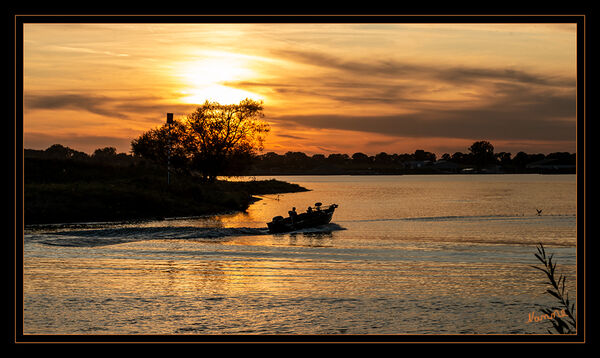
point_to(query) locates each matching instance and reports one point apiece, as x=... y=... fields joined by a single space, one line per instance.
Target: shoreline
x=69 y=191
x=57 y=204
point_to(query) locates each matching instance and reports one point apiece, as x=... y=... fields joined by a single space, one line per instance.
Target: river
x=414 y=254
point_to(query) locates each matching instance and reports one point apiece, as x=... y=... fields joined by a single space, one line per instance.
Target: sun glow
x=206 y=79
x=216 y=93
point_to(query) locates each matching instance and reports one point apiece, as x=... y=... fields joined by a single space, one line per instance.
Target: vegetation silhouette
x=66 y=185
x=480 y=158
x=568 y=325
x=62 y=185
x=214 y=140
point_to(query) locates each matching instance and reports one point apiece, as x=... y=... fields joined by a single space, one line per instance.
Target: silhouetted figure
x=309 y=210
x=293 y=214
x=539 y=212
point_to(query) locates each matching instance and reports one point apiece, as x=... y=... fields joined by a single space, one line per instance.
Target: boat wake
x=113 y=236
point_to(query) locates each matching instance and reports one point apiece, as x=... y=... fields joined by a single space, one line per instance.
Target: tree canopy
x=213 y=140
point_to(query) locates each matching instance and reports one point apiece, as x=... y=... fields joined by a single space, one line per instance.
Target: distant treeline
x=479 y=159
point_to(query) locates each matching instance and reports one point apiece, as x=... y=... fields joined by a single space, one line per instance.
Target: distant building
x=552 y=165
x=417 y=164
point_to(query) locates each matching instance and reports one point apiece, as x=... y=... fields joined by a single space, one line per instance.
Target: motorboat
x=314 y=216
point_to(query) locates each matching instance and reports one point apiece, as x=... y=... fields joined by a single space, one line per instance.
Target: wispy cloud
x=389 y=68
x=134 y=107
x=85 y=50
x=515 y=112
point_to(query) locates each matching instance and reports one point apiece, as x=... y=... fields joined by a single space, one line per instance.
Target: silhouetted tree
x=318 y=158
x=462 y=158
x=220 y=133
x=58 y=151
x=360 y=158
x=503 y=158
x=383 y=158
x=422 y=155
x=104 y=153
x=483 y=153
x=212 y=140
x=297 y=160
x=156 y=145
x=521 y=159
x=338 y=159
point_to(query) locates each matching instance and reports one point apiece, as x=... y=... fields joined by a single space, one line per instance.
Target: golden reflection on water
x=435 y=271
x=176 y=287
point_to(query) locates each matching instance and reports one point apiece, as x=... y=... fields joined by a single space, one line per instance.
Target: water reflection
x=309 y=239
x=404 y=255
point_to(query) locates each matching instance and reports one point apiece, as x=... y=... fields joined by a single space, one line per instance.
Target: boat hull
x=302 y=221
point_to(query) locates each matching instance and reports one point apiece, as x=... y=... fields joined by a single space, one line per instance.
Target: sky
x=326 y=88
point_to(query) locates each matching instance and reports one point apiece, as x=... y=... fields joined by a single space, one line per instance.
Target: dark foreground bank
x=67 y=191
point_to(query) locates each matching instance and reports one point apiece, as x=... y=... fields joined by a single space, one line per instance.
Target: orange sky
x=327 y=88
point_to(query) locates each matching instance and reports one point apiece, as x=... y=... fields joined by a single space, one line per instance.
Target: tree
x=105 y=153
x=58 y=151
x=503 y=158
x=422 y=155
x=337 y=158
x=383 y=158
x=483 y=153
x=213 y=140
x=163 y=142
x=318 y=158
x=360 y=158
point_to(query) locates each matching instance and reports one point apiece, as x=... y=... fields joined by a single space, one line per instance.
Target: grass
x=568 y=325
x=63 y=191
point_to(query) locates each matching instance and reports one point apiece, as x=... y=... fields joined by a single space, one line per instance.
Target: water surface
x=403 y=255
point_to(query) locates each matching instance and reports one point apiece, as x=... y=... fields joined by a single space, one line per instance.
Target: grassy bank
x=62 y=191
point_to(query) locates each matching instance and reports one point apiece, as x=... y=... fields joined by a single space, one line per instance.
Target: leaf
x=539 y=268
x=553 y=293
x=561 y=322
x=541 y=250
x=539 y=258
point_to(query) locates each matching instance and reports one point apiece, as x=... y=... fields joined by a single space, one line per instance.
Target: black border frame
x=580 y=17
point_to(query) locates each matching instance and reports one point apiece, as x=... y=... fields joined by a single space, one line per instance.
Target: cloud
x=134 y=108
x=443 y=101
x=290 y=136
x=392 y=68
x=90 y=103
x=397 y=86
x=456 y=125
x=85 y=50
x=517 y=112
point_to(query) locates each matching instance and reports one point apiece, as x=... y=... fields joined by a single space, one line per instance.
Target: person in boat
x=293 y=214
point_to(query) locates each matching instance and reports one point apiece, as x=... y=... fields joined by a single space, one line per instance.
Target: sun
x=216 y=93
x=208 y=78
